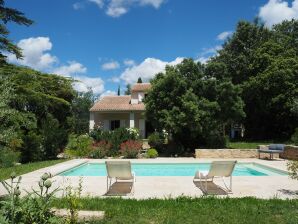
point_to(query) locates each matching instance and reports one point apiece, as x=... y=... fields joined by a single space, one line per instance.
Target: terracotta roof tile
x=117 y=103
x=140 y=87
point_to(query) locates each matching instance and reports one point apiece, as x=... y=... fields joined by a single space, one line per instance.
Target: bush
x=294 y=137
x=8 y=157
x=79 y=146
x=33 y=208
x=152 y=153
x=101 y=149
x=115 y=137
x=293 y=169
x=156 y=140
x=130 y=148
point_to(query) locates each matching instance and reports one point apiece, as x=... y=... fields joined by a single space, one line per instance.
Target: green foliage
x=156 y=140
x=209 y=210
x=80 y=105
x=294 y=137
x=26 y=168
x=264 y=63
x=32 y=115
x=79 y=145
x=293 y=169
x=72 y=198
x=191 y=106
x=130 y=149
x=15 y=16
x=8 y=157
x=33 y=208
x=128 y=89
x=152 y=153
x=101 y=149
x=115 y=137
x=139 y=80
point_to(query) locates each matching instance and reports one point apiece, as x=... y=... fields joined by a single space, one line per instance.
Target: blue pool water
x=172 y=169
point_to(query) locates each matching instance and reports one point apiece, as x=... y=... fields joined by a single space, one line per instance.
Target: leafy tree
x=128 y=89
x=139 y=80
x=39 y=110
x=118 y=92
x=10 y=15
x=81 y=104
x=264 y=63
x=180 y=101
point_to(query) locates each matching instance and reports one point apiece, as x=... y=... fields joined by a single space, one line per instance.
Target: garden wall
x=291 y=152
x=226 y=153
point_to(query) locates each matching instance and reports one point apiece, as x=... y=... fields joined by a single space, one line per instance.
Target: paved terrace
x=162 y=187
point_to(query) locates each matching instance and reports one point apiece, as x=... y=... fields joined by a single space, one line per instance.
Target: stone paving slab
x=163 y=187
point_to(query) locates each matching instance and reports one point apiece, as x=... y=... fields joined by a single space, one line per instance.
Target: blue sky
x=106 y=43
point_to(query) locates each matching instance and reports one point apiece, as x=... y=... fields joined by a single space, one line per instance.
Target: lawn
x=186 y=210
x=247 y=145
x=26 y=168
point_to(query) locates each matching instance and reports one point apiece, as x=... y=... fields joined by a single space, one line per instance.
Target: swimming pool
x=173 y=169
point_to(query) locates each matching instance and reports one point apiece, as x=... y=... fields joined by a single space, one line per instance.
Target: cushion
x=278 y=147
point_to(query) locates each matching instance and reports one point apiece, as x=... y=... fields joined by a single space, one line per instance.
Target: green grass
x=26 y=168
x=247 y=145
x=206 y=210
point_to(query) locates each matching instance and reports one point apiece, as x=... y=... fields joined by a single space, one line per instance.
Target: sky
x=109 y=43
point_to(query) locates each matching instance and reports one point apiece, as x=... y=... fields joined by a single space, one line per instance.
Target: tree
x=81 y=104
x=128 y=89
x=10 y=15
x=118 y=92
x=264 y=64
x=48 y=109
x=139 y=80
x=180 y=102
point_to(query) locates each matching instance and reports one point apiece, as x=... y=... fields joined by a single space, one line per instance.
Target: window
x=115 y=124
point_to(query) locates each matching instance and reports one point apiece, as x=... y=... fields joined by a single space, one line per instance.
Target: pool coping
x=170 y=160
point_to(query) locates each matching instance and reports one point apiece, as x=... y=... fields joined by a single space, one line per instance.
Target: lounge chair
x=271 y=149
x=120 y=170
x=218 y=169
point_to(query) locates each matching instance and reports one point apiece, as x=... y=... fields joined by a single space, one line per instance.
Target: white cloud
x=73 y=67
x=203 y=60
x=110 y=65
x=78 y=5
x=114 y=79
x=108 y=93
x=224 y=35
x=129 y=62
x=35 y=54
x=147 y=69
x=117 y=8
x=275 y=11
x=211 y=50
x=99 y=3
x=84 y=83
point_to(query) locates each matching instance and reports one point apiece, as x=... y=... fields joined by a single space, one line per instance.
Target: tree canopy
x=10 y=15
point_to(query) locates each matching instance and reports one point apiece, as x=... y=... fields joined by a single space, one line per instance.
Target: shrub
x=8 y=157
x=294 y=137
x=101 y=149
x=293 y=169
x=34 y=207
x=79 y=146
x=130 y=148
x=152 y=153
x=156 y=140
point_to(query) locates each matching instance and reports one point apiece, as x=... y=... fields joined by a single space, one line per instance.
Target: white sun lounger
x=218 y=169
x=120 y=170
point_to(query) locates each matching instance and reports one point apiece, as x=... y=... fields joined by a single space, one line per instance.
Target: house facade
x=113 y=112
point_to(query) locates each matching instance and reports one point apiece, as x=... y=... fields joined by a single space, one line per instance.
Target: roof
x=140 y=87
x=117 y=103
